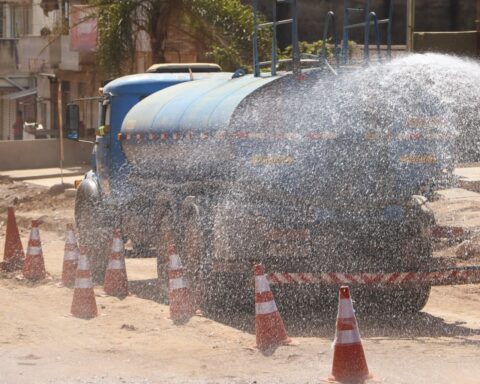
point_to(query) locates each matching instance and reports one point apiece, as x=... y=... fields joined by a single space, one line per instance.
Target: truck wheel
x=95 y=234
x=230 y=293
x=410 y=300
x=392 y=301
x=396 y=300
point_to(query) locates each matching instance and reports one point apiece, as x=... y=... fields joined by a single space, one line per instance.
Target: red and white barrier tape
x=453 y=276
x=440 y=231
x=287 y=136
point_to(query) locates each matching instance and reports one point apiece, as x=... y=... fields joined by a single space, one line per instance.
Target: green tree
x=222 y=27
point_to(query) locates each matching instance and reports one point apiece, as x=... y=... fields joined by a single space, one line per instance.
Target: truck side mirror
x=72 y=123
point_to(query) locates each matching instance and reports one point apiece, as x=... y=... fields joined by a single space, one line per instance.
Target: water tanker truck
x=244 y=170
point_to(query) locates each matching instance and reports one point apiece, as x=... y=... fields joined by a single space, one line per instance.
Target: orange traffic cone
x=269 y=328
x=34 y=266
x=70 y=257
x=180 y=297
x=13 y=256
x=116 y=282
x=349 y=363
x=83 y=303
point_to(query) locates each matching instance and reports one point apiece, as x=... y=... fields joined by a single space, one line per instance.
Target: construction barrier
x=34 y=266
x=70 y=257
x=116 y=281
x=180 y=298
x=448 y=276
x=269 y=328
x=13 y=255
x=84 y=304
x=349 y=362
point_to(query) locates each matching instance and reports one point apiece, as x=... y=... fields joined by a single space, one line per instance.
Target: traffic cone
x=84 y=305
x=269 y=328
x=349 y=363
x=116 y=282
x=34 y=266
x=180 y=297
x=70 y=257
x=13 y=256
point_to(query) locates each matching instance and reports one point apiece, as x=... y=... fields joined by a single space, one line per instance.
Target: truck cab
x=105 y=186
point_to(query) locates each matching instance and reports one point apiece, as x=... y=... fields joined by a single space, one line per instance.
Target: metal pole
x=410 y=24
x=477 y=22
x=295 y=45
x=273 y=69
x=60 y=127
x=389 y=30
x=345 y=32
x=366 y=32
x=256 y=67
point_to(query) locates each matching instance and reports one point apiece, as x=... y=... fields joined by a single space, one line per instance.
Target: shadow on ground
x=148 y=289
x=318 y=320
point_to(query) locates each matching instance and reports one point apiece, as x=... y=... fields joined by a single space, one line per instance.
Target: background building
x=47 y=46
x=45 y=49
x=37 y=61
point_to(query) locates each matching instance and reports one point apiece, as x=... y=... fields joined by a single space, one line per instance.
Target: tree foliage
x=222 y=28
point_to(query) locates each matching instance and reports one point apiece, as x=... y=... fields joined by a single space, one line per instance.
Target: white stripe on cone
x=34 y=251
x=83 y=282
x=115 y=264
x=175 y=262
x=34 y=234
x=117 y=245
x=177 y=283
x=70 y=238
x=265 y=308
x=70 y=255
x=83 y=264
x=346 y=309
x=261 y=284
x=347 y=337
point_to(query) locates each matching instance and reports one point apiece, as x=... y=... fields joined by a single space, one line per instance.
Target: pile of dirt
x=30 y=201
x=15 y=193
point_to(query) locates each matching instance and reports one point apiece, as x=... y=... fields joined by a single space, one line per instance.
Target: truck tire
x=214 y=292
x=398 y=300
x=409 y=300
x=391 y=301
x=230 y=293
x=412 y=300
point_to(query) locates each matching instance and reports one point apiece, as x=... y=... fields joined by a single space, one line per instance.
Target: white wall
x=42 y=154
x=70 y=59
x=39 y=20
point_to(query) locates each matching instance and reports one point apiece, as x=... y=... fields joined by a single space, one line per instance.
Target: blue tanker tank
x=256 y=132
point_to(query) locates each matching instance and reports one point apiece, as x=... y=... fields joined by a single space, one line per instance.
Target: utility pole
x=60 y=127
x=411 y=23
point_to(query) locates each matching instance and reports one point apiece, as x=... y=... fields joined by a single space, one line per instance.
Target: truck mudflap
x=448 y=276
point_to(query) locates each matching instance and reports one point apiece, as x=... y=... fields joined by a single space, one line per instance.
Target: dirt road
x=133 y=341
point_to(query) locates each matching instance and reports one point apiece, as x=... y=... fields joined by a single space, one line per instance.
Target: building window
x=22 y=20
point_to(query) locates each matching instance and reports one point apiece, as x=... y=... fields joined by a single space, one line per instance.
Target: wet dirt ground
x=134 y=341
